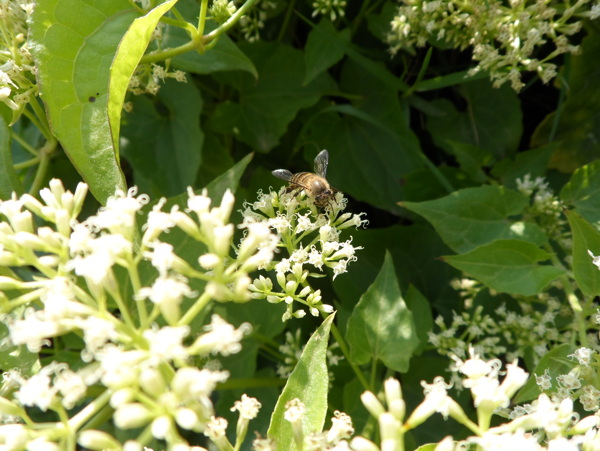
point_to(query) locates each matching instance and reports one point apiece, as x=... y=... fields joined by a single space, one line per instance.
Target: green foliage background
x=430 y=156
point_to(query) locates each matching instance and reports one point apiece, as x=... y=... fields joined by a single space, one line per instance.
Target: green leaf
x=73 y=43
x=131 y=49
x=414 y=248
x=471 y=158
x=381 y=326
x=471 y=217
x=164 y=140
x=224 y=56
x=492 y=119
x=423 y=318
x=9 y=181
x=325 y=46
x=585 y=237
x=576 y=131
x=556 y=362
x=508 y=266
x=266 y=108
x=308 y=382
x=583 y=191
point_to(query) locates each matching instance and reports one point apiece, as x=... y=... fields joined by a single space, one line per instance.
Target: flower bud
x=97 y=440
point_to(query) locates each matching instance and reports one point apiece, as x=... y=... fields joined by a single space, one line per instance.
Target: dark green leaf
x=583 y=191
x=165 y=147
x=472 y=159
x=381 y=327
x=423 y=318
x=325 y=46
x=9 y=181
x=491 y=120
x=471 y=217
x=266 y=107
x=585 y=237
x=367 y=159
x=308 y=382
x=73 y=57
x=576 y=132
x=508 y=266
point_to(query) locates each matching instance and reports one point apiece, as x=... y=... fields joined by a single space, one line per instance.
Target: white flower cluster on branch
x=310 y=241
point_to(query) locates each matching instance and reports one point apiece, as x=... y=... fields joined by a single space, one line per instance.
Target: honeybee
x=315 y=185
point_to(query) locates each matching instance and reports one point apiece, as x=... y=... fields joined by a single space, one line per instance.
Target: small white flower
x=220 y=337
x=247 y=407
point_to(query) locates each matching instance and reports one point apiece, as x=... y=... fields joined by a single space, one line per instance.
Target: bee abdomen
x=302 y=178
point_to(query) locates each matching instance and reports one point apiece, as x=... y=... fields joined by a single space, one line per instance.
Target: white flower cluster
x=504 y=36
x=142 y=370
x=545 y=209
x=331 y=8
x=310 y=238
x=506 y=332
x=254 y=21
x=544 y=425
x=17 y=71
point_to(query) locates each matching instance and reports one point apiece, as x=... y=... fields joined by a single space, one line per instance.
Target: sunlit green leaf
x=131 y=49
x=474 y=216
x=73 y=58
x=508 y=266
x=308 y=382
x=556 y=363
x=381 y=327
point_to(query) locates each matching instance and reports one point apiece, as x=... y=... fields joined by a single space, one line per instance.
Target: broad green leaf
x=577 y=130
x=414 y=248
x=583 y=192
x=556 y=362
x=471 y=217
x=9 y=181
x=265 y=108
x=508 y=266
x=164 y=140
x=131 y=49
x=585 y=237
x=491 y=120
x=73 y=43
x=308 y=382
x=381 y=327
x=325 y=46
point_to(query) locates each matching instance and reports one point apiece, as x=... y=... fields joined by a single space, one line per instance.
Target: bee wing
x=283 y=174
x=321 y=162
